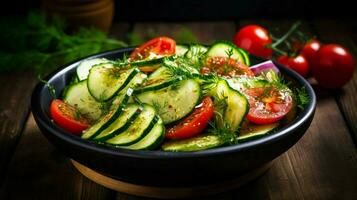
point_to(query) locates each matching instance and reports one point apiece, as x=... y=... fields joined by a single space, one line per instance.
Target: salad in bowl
x=172 y=97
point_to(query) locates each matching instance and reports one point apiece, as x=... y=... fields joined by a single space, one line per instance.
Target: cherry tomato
x=298 y=64
x=333 y=66
x=193 y=124
x=267 y=104
x=226 y=67
x=255 y=40
x=158 y=46
x=67 y=117
x=310 y=49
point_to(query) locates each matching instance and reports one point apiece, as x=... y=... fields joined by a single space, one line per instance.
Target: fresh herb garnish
x=224 y=133
x=301 y=97
x=49 y=86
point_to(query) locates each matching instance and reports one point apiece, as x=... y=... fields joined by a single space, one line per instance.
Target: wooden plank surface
x=42 y=172
x=15 y=90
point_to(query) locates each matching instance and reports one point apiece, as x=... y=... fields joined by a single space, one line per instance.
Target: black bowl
x=159 y=168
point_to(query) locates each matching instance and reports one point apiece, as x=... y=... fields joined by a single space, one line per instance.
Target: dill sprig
x=49 y=86
x=224 y=133
x=301 y=97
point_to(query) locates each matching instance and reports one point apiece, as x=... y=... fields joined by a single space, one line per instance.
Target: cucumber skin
x=227 y=43
x=176 y=119
x=116 y=113
x=193 y=144
x=123 y=128
x=126 y=82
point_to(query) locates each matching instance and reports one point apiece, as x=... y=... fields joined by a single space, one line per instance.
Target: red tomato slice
x=67 y=117
x=159 y=46
x=267 y=104
x=193 y=124
x=226 y=67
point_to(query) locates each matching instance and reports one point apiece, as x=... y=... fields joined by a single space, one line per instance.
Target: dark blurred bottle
x=87 y=13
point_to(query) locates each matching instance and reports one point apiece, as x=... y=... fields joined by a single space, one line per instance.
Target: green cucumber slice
x=78 y=96
x=107 y=119
x=129 y=114
x=105 y=80
x=195 y=52
x=234 y=108
x=152 y=140
x=175 y=101
x=84 y=67
x=255 y=131
x=197 y=143
x=160 y=78
x=181 y=49
x=222 y=48
x=137 y=130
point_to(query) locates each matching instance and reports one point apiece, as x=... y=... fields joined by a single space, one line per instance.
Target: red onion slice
x=264 y=66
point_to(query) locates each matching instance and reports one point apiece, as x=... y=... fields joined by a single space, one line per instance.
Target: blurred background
x=144 y=10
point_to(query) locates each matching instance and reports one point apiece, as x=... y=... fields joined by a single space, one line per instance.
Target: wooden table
x=322 y=165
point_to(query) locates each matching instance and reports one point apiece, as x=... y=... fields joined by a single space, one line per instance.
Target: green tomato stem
x=287 y=34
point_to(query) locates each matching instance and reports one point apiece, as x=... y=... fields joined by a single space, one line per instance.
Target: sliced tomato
x=67 y=117
x=267 y=104
x=193 y=124
x=226 y=67
x=158 y=46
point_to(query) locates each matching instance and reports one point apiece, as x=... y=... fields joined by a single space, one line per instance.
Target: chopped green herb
x=49 y=86
x=302 y=98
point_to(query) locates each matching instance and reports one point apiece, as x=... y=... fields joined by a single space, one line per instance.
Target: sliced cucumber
x=151 y=62
x=84 y=67
x=160 y=78
x=181 y=49
x=105 y=80
x=152 y=140
x=195 y=52
x=175 y=101
x=134 y=83
x=242 y=83
x=233 y=106
x=78 y=96
x=226 y=49
x=177 y=64
x=198 y=143
x=253 y=131
x=245 y=56
x=138 y=128
x=107 y=119
x=120 y=124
